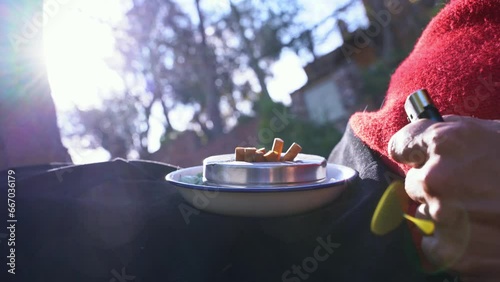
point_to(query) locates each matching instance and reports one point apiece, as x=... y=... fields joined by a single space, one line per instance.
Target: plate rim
x=327 y=183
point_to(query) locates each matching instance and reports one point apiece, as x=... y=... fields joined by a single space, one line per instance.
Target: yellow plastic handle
x=427 y=226
x=391 y=210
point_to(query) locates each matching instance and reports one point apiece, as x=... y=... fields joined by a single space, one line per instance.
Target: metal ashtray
x=224 y=170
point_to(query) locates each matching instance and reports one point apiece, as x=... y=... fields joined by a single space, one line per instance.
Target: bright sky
x=78 y=46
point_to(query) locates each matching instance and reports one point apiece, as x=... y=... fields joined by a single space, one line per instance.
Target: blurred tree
x=119 y=131
x=169 y=60
x=209 y=76
x=214 y=63
x=28 y=125
x=261 y=27
x=401 y=24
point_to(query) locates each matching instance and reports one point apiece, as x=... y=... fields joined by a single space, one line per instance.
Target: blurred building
x=334 y=83
x=334 y=88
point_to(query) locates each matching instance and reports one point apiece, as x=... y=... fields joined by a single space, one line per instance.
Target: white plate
x=262 y=201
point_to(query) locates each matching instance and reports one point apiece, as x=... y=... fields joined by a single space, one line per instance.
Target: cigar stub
x=262 y=150
x=239 y=154
x=259 y=156
x=250 y=154
x=278 y=146
x=272 y=156
x=292 y=152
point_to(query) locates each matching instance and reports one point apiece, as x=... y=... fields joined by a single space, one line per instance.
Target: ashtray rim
x=224 y=170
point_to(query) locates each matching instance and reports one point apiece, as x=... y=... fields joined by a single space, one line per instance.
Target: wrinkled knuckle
x=432 y=180
x=416 y=156
x=440 y=137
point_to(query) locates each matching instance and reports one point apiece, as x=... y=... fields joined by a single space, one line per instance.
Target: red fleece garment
x=457 y=59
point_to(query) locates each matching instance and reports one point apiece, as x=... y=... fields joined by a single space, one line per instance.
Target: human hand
x=455 y=176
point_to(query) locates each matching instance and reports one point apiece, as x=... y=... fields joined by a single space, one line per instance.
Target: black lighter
x=419 y=105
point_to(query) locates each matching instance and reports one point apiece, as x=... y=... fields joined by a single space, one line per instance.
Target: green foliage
x=377 y=77
x=314 y=139
x=439 y=5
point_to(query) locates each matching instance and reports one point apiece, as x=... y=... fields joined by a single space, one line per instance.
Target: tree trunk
x=373 y=7
x=212 y=93
x=254 y=62
x=28 y=124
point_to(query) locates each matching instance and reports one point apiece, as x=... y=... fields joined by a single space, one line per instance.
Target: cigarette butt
x=292 y=152
x=250 y=154
x=239 y=154
x=272 y=156
x=259 y=156
x=262 y=150
x=278 y=146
